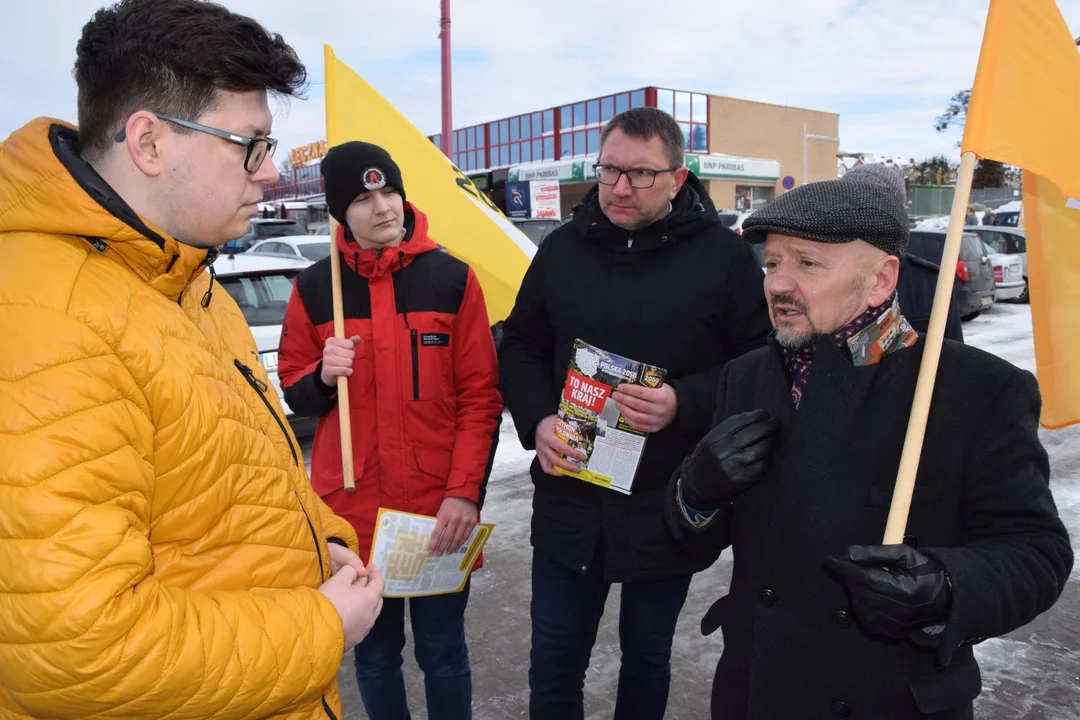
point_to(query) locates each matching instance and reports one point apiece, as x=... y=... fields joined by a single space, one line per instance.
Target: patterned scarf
x=876 y=333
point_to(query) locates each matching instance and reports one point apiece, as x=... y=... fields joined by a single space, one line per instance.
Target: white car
x=261 y=285
x=1009 y=241
x=1009 y=280
x=311 y=248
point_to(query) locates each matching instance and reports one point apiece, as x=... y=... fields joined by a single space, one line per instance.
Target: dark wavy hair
x=172 y=57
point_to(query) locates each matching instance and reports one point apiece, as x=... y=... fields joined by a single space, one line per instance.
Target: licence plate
x=268 y=360
x=987 y=301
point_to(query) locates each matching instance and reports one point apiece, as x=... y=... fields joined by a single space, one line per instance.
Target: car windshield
x=315 y=251
x=262 y=297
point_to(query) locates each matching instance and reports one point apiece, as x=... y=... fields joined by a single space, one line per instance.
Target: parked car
x=1008 y=274
x=1009 y=241
x=261 y=228
x=733 y=219
x=322 y=228
x=975 y=287
x=312 y=248
x=535 y=228
x=1009 y=218
x=261 y=286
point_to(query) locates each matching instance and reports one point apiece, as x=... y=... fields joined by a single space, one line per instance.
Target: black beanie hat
x=355 y=167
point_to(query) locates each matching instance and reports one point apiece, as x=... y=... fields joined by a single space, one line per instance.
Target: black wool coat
x=685 y=294
x=982 y=506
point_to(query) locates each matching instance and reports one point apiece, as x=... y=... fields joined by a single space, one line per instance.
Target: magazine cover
x=590 y=421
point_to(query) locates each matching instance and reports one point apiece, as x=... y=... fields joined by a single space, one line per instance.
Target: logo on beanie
x=374 y=179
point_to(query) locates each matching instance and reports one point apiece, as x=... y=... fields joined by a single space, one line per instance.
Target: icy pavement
x=1032 y=673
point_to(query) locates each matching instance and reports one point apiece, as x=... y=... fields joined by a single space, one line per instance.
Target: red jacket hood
x=371 y=262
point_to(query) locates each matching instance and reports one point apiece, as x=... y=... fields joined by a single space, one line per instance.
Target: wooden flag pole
x=344 y=421
x=935 y=336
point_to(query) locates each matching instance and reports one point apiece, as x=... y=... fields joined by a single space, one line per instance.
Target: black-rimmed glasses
x=258 y=149
x=639 y=178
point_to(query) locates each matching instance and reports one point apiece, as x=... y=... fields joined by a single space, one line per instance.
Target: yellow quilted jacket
x=160 y=543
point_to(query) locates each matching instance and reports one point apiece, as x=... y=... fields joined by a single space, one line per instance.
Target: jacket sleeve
x=337 y=528
x=715 y=535
x=300 y=362
x=746 y=327
x=527 y=354
x=1016 y=554
x=85 y=628
x=476 y=380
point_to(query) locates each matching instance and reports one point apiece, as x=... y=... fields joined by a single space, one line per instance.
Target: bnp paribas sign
x=572 y=171
x=726 y=166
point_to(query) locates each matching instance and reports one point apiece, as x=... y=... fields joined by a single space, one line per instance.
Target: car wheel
x=972 y=316
x=1023 y=297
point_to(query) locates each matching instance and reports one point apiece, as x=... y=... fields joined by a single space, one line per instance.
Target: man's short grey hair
x=645 y=123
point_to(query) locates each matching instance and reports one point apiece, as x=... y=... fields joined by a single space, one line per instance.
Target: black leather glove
x=732 y=457
x=895 y=589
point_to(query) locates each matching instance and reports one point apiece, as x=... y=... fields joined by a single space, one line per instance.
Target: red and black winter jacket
x=423 y=395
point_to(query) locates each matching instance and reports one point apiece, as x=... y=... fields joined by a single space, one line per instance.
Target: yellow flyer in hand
x=400 y=552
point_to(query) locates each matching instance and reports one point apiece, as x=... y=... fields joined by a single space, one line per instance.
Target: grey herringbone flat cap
x=869 y=203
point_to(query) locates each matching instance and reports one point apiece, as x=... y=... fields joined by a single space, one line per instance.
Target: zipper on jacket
x=314 y=535
x=260 y=387
x=415 y=364
x=326 y=707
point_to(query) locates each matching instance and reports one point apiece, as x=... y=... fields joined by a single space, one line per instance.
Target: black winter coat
x=686 y=294
x=982 y=506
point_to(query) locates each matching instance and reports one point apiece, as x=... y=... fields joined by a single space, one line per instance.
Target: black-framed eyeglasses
x=258 y=149
x=639 y=178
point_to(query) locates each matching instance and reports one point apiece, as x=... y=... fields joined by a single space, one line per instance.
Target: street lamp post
x=447 y=143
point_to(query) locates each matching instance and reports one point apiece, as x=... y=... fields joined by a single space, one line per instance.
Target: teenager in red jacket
x=423 y=400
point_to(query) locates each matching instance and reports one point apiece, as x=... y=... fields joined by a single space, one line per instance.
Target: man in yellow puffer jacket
x=162 y=553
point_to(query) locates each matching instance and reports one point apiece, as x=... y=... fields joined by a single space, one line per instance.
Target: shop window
x=752 y=197
x=566 y=117
x=700 y=141
x=526 y=152
x=594 y=141
x=549 y=121
x=493 y=131
x=592 y=112
x=504 y=130
x=536 y=126
x=549 y=148
x=682 y=106
x=566 y=141
x=437 y=141
x=537 y=149
x=607 y=109
x=515 y=154
x=514 y=130
x=637 y=99
x=665 y=100
x=579 y=142
x=622 y=103
x=579 y=114
x=700 y=112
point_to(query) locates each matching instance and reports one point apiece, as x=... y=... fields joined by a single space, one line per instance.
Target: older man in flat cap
x=798 y=471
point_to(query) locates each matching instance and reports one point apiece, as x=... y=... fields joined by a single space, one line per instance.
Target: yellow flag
x=1053 y=253
x=1025 y=111
x=462 y=219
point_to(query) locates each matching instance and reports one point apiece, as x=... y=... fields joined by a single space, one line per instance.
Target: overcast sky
x=887 y=67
